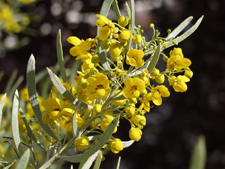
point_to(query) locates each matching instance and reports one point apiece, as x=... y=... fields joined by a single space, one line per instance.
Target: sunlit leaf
x=23 y=162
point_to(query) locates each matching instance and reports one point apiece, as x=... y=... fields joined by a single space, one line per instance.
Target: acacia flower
x=124 y=35
x=98 y=86
x=135 y=133
x=177 y=61
x=179 y=83
x=106 y=121
x=158 y=92
x=116 y=146
x=134 y=58
x=82 y=143
x=145 y=104
x=54 y=107
x=133 y=87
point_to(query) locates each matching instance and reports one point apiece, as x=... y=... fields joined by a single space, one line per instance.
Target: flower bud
x=116 y=146
x=82 y=143
x=188 y=73
x=95 y=59
x=135 y=134
x=151 y=25
x=123 y=21
x=97 y=108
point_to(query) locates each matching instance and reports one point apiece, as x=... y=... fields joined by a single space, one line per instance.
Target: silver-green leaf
x=2 y=102
x=23 y=162
x=104 y=138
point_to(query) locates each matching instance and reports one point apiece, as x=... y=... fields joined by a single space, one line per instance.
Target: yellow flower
x=123 y=21
x=97 y=108
x=130 y=109
x=137 y=39
x=188 y=73
x=54 y=107
x=133 y=87
x=139 y=120
x=124 y=35
x=179 y=83
x=82 y=143
x=145 y=104
x=46 y=119
x=26 y=1
x=106 y=27
x=98 y=86
x=24 y=94
x=177 y=61
x=158 y=92
x=105 y=122
x=135 y=133
x=116 y=146
x=115 y=50
x=79 y=121
x=134 y=58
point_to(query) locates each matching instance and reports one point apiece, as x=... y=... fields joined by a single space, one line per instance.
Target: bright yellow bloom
x=145 y=104
x=46 y=119
x=188 y=73
x=116 y=146
x=139 y=120
x=130 y=109
x=82 y=143
x=134 y=58
x=137 y=39
x=124 y=35
x=79 y=121
x=115 y=50
x=98 y=86
x=158 y=92
x=106 y=121
x=97 y=108
x=133 y=87
x=54 y=107
x=123 y=21
x=135 y=133
x=177 y=61
x=24 y=94
x=179 y=83
x=106 y=27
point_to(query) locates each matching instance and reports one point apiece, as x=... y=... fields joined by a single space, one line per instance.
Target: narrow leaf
x=155 y=59
x=34 y=98
x=104 y=138
x=98 y=161
x=60 y=57
x=62 y=90
x=10 y=165
x=90 y=160
x=15 y=124
x=74 y=125
x=30 y=132
x=105 y=7
x=2 y=102
x=23 y=162
x=127 y=143
x=116 y=9
x=198 y=157
x=178 y=29
x=187 y=33
x=118 y=163
x=11 y=80
x=132 y=6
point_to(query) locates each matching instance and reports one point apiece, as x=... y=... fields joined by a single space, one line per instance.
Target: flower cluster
x=12 y=20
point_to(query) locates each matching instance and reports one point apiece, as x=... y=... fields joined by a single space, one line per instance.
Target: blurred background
x=172 y=128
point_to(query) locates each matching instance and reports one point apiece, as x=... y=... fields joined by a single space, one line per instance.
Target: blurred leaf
x=128 y=10
x=105 y=7
x=180 y=27
x=104 y=138
x=116 y=9
x=15 y=124
x=10 y=165
x=23 y=162
x=11 y=80
x=1 y=75
x=31 y=85
x=198 y=156
x=118 y=163
x=2 y=102
x=60 y=57
x=30 y=132
x=154 y=59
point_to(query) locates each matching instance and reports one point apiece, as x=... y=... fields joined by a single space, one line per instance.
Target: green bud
x=95 y=59
x=151 y=25
x=168 y=31
x=3 y=156
x=175 y=42
x=139 y=26
x=165 y=58
x=142 y=31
